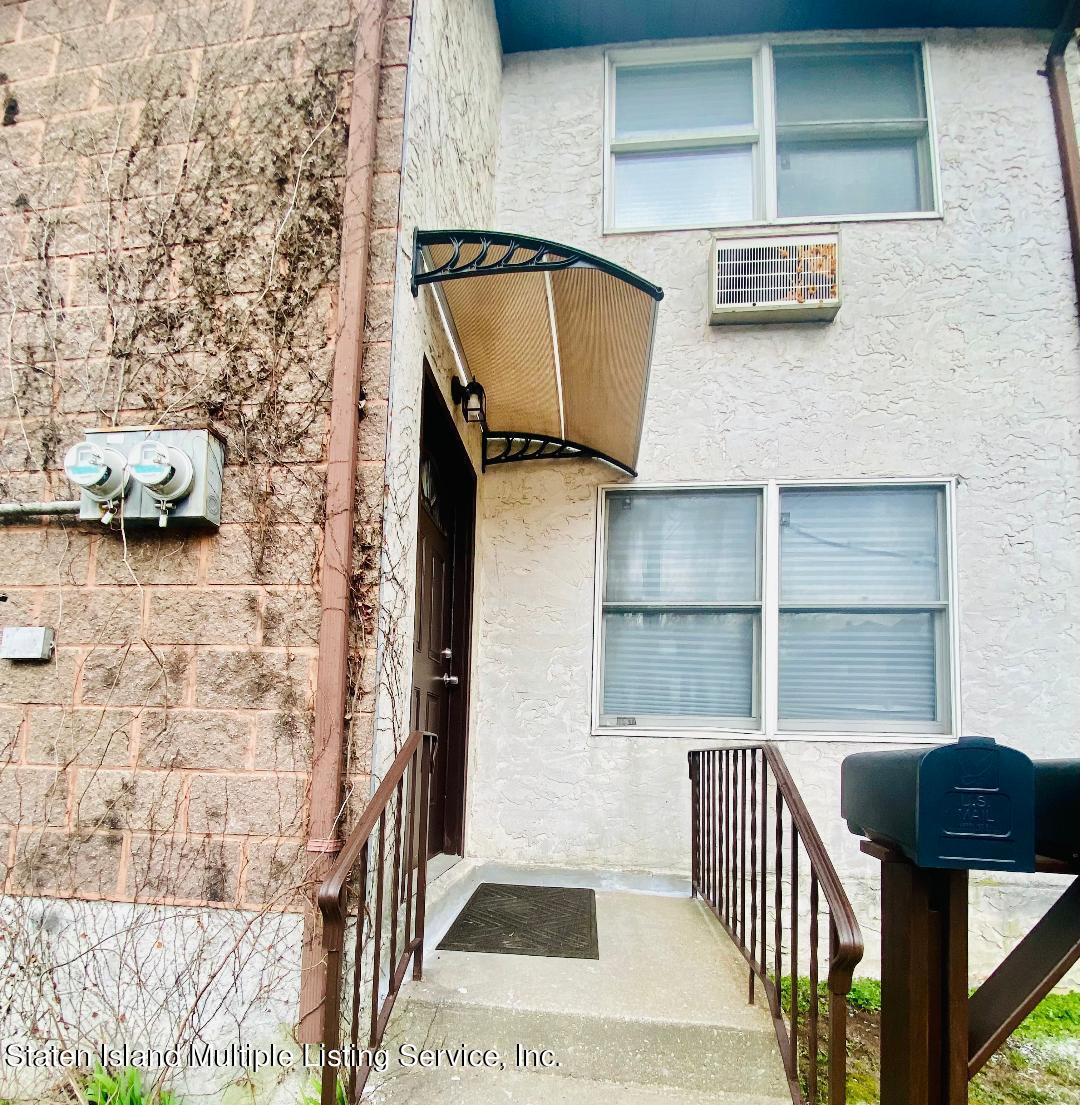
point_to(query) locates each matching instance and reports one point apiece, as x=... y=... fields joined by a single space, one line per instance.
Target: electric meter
x=164 y=470
x=100 y=471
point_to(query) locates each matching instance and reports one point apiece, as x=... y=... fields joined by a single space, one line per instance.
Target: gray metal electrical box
x=196 y=503
x=26 y=642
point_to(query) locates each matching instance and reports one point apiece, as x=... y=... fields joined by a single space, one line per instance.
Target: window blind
x=683 y=143
x=671 y=187
x=855 y=566
x=663 y=665
x=851 y=131
x=858 y=666
x=860 y=545
x=703 y=96
x=681 y=606
x=849 y=123
x=860 y=609
x=687 y=546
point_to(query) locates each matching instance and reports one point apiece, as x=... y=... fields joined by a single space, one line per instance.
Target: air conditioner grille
x=788 y=271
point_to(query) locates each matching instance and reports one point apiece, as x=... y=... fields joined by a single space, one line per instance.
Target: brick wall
x=169 y=216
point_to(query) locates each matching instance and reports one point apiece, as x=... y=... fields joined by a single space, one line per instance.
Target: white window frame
x=762 y=135
x=767 y=666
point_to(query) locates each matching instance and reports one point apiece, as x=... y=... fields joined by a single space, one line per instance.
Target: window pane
x=678 y=665
x=845 y=86
x=676 y=188
x=858 y=667
x=687 y=546
x=856 y=545
x=658 y=99
x=849 y=177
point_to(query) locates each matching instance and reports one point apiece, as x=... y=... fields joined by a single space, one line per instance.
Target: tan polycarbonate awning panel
x=560 y=340
x=502 y=323
x=605 y=333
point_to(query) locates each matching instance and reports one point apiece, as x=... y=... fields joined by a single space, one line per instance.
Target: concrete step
x=661 y=958
x=516 y=1088
x=637 y=1052
x=661 y=1016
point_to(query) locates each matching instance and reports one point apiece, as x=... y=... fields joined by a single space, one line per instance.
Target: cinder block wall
x=170 y=204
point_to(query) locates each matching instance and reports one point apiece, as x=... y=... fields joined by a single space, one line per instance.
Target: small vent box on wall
x=774 y=279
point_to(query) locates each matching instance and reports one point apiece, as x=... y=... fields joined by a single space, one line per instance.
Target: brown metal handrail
x=733 y=789
x=398 y=807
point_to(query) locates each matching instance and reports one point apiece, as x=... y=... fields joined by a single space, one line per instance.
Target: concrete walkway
x=660 y=1019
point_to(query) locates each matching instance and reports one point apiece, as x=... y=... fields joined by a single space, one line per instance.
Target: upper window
x=780 y=133
x=848 y=630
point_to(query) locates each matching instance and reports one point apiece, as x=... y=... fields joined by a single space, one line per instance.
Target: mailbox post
x=930 y=816
x=924 y=982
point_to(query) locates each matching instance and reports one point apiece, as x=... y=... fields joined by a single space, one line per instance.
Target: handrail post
x=695 y=834
x=427 y=760
x=838 y=1014
x=333 y=938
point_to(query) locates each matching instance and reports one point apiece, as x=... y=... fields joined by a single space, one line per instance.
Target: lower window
x=782 y=608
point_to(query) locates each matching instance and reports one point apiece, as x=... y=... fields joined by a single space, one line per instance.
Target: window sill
x=775 y=226
x=755 y=736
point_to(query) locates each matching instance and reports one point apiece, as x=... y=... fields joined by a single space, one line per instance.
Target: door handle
x=447 y=653
x=448 y=680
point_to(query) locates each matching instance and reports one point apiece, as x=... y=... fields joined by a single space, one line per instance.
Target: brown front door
x=440 y=630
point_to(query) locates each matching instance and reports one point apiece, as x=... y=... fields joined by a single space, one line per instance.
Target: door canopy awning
x=559 y=340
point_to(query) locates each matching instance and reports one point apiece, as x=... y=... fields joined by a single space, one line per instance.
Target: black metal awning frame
x=495 y=255
x=507 y=446
x=546 y=256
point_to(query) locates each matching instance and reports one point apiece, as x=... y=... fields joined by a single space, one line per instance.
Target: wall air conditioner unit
x=774 y=279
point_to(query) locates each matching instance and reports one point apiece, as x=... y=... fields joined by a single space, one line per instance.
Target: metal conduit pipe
x=1065 y=127
x=15 y=511
x=331 y=691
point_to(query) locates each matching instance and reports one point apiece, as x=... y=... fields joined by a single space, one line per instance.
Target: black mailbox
x=969 y=805
x=1057 y=809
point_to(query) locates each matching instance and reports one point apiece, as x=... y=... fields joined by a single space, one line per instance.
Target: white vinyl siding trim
x=944 y=610
x=763 y=137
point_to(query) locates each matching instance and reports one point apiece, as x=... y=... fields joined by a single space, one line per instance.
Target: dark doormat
x=557 y=921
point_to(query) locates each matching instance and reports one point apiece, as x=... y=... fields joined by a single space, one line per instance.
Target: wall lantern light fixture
x=470 y=397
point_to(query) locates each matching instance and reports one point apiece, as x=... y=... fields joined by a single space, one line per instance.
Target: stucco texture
x=447 y=180
x=954 y=354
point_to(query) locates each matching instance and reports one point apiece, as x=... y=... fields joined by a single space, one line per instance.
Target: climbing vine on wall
x=208 y=242
x=169 y=255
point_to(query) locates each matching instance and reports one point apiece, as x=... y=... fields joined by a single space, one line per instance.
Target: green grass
x=1028 y=1070
x=865 y=995
x=862 y=1085
x=125 y=1088
x=312 y=1094
x=1056 y=1017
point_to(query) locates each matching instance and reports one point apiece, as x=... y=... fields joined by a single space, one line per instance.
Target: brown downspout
x=1065 y=125
x=341 y=468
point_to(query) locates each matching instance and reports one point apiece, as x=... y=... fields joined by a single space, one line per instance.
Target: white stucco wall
x=955 y=354
x=447 y=180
